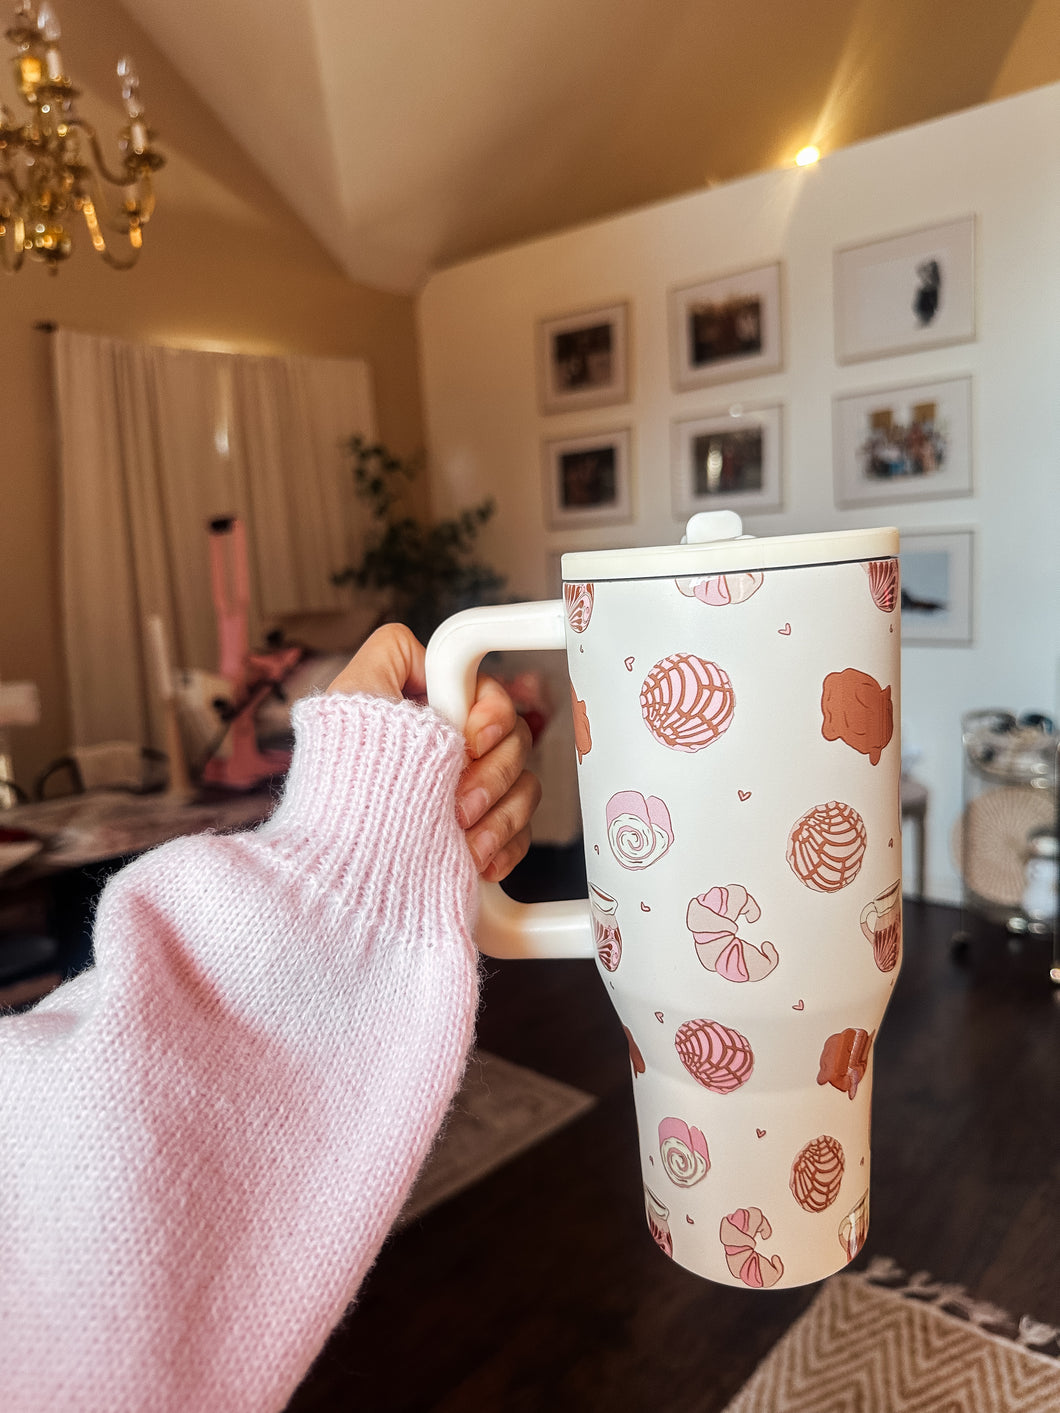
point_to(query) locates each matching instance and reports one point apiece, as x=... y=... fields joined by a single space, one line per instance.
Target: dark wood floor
x=540 y=1289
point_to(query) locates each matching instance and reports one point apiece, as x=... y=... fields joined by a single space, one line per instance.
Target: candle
x=159 y=654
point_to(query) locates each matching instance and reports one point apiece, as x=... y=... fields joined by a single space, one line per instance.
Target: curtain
x=154 y=443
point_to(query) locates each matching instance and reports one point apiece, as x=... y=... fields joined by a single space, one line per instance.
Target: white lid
x=714 y=544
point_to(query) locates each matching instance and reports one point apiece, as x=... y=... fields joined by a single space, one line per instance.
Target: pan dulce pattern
x=730 y=934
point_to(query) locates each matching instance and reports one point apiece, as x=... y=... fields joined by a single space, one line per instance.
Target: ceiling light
x=807 y=157
x=46 y=173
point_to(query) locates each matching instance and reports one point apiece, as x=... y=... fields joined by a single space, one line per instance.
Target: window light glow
x=807 y=157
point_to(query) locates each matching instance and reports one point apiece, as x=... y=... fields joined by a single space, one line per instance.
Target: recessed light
x=807 y=157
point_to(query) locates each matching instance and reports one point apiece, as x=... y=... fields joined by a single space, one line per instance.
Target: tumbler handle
x=505 y=928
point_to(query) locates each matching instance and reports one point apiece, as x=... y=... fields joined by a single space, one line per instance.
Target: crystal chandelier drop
x=52 y=166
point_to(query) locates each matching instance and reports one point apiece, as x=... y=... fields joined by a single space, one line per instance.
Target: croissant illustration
x=740 y=1233
x=712 y=919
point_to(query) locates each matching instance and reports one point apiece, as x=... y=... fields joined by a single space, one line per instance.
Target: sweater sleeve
x=205 y=1138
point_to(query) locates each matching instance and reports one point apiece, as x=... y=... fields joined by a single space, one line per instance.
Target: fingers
x=390 y=664
x=492 y=717
x=501 y=836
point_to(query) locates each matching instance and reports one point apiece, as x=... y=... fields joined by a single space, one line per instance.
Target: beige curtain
x=157 y=441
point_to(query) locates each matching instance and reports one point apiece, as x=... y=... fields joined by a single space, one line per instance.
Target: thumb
x=390 y=664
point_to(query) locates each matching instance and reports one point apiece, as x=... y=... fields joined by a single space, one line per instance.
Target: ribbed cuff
x=368 y=811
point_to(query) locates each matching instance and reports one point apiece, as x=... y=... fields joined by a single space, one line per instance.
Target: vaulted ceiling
x=410 y=134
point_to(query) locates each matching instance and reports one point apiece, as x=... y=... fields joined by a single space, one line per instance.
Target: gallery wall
x=997 y=163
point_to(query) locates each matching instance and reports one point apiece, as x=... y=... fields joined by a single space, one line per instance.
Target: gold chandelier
x=52 y=166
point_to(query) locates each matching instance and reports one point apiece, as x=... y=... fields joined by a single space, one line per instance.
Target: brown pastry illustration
x=827 y=845
x=578 y=601
x=658 y=1222
x=636 y=1059
x=883 y=583
x=717 y=1057
x=687 y=702
x=881 y=922
x=583 y=740
x=603 y=911
x=844 y=1060
x=816 y=1173
x=857 y=710
x=854 y=1228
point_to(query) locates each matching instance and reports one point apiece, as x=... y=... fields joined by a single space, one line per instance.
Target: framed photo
x=725 y=328
x=587 y=480
x=906 y=293
x=910 y=443
x=936 y=567
x=583 y=360
x=726 y=461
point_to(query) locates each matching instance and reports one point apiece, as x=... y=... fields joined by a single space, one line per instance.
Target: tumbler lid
x=714 y=543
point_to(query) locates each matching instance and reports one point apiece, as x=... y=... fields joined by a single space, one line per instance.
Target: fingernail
x=471 y=806
x=483 y=847
x=487 y=738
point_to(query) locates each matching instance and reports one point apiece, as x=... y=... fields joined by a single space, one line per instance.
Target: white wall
x=1001 y=162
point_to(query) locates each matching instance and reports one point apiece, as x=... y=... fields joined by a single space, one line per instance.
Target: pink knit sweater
x=205 y=1139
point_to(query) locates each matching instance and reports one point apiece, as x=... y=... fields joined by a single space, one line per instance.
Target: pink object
x=638 y=829
x=719 y=590
x=715 y=1055
x=712 y=919
x=578 y=602
x=687 y=702
x=207 y=1136
x=684 y=1153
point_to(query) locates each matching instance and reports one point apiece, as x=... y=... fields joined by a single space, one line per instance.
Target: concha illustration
x=603 y=911
x=687 y=702
x=578 y=601
x=826 y=846
x=716 y=1056
x=718 y=590
x=684 y=1153
x=639 y=830
x=883 y=583
x=817 y=1173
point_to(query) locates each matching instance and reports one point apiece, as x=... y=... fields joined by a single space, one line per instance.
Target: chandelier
x=52 y=167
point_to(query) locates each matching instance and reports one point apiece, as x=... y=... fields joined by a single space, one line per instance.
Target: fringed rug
x=501 y=1110
x=882 y=1342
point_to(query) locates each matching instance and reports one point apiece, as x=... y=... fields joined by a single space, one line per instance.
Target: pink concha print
x=687 y=702
x=817 y=1172
x=578 y=602
x=826 y=846
x=883 y=583
x=716 y=1056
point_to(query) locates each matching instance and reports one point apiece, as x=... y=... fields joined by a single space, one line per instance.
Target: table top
x=76 y=830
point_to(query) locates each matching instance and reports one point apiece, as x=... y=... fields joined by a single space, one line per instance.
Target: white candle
x=159 y=654
x=53 y=63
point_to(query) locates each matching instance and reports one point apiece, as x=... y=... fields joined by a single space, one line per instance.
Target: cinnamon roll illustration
x=883 y=583
x=740 y=1232
x=687 y=702
x=603 y=911
x=716 y=1056
x=713 y=918
x=844 y=1060
x=718 y=590
x=658 y=1222
x=826 y=846
x=583 y=740
x=684 y=1153
x=578 y=602
x=854 y=1228
x=638 y=829
x=858 y=711
x=817 y=1173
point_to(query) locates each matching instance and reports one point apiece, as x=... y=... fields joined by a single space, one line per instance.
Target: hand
x=496 y=795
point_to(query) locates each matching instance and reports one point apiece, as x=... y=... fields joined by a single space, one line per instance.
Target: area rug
x=501 y=1110
x=882 y=1342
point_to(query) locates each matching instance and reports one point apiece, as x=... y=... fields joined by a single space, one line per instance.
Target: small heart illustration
x=862 y=1164
x=761 y=1132
x=629 y=664
x=892 y=627
x=689 y=1220
x=644 y=908
x=596 y=847
x=785 y=631
x=890 y=843
x=581 y=648
x=744 y=794
x=798 y=1006
x=651 y=1160
x=659 y=1017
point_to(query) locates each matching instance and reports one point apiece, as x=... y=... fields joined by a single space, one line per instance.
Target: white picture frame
x=907 y=443
x=588 y=480
x=937 y=577
x=725 y=328
x=583 y=359
x=905 y=293
x=727 y=460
